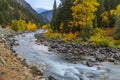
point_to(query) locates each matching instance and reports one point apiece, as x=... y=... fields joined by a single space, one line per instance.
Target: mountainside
x=18 y=9
x=40 y=10
x=47 y=15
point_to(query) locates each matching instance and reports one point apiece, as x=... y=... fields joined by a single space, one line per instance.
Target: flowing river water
x=59 y=68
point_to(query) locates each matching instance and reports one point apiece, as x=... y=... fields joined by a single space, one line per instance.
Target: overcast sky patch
x=45 y=4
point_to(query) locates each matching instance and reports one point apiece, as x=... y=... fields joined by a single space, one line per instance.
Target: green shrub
x=103 y=43
x=99 y=39
x=117 y=43
x=86 y=32
x=116 y=34
x=117 y=23
x=3 y=26
x=14 y=25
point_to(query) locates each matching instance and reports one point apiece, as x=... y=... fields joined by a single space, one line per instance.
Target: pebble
x=90 y=63
x=3 y=61
x=99 y=66
x=100 y=57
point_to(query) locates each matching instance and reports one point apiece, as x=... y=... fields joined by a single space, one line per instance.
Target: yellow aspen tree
x=34 y=27
x=31 y=26
x=21 y=25
x=117 y=12
x=83 y=12
x=107 y=17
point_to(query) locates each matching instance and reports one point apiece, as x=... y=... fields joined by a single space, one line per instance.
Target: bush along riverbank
x=12 y=65
x=77 y=51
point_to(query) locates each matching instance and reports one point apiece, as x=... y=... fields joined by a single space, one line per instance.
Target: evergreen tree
x=54 y=15
x=106 y=5
x=63 y=16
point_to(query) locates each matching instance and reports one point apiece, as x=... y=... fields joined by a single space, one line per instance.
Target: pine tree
x=106 y=5
x=63 y=16
x=54 y=15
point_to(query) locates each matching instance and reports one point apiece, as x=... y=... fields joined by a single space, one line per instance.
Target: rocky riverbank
x=76 y=51
x=12 y=65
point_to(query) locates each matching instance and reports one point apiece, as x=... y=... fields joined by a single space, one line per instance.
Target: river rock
x=90 y=63
x=85 y=49
x=100 y=57
x=111 y=59
x=117 y=56
x=50 y=49
x=18 y=56
x=51 y=78
x=35 y=71
x=24 y=62
x=99 y=66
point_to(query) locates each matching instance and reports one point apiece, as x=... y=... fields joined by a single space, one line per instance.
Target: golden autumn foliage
x=83 y=12
x=109 y=32
x=51 y=35
x=106 y=15
x=18 y=25
x=69 y=36
x=31 y=26
x=61 y=26
x=46 y=26
x=98 y=38
x=62 y=36
x=80 y=28
x=117 y=12
x=21 y=25
x=101 y=38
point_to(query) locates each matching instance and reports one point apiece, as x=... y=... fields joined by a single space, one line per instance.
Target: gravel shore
x=12 y=65
x=76 y=50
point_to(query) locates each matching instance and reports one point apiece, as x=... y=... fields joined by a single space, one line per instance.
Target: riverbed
x=54 y=65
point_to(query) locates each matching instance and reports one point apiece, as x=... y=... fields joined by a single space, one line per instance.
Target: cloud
x=46 y=4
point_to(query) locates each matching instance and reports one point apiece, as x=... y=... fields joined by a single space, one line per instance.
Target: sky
x=45 y=4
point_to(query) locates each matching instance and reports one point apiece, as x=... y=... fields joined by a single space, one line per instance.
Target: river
x=56 y=66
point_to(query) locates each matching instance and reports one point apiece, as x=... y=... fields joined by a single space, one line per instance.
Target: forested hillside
x=17 y=9
x=94 y=21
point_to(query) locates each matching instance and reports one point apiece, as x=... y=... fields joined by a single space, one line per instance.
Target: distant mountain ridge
x=47 y=15
x=18 y=9
x=26 y=5
x=40 y=10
